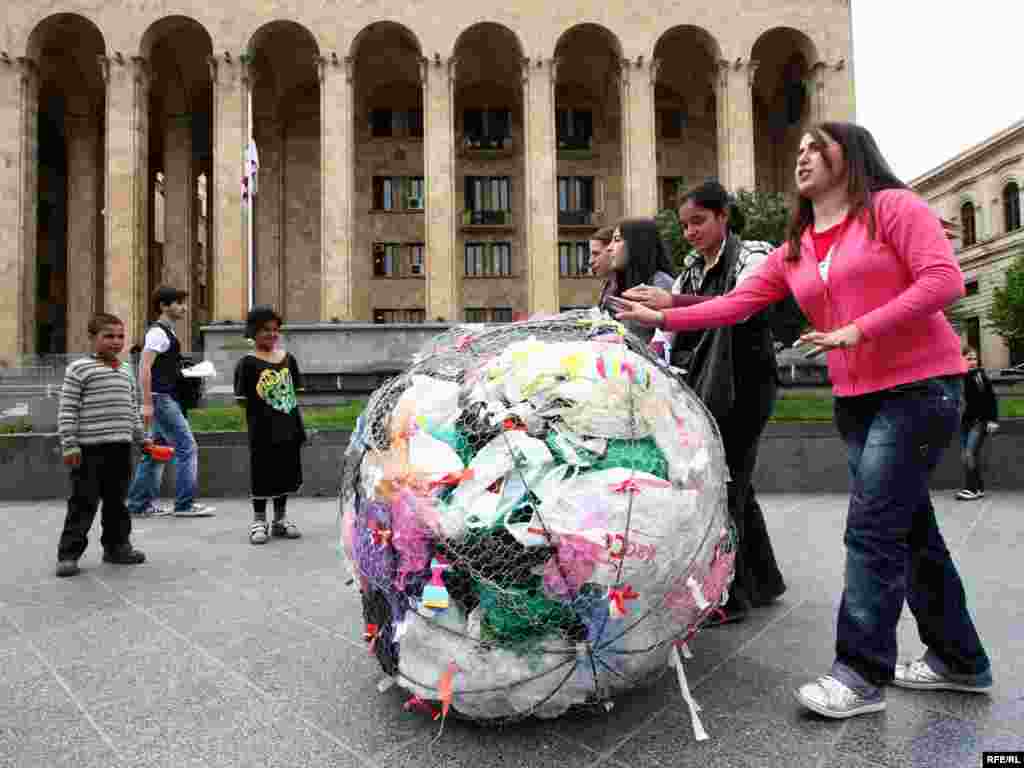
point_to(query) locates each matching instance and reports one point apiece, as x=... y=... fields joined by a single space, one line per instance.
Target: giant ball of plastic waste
x=534 y=513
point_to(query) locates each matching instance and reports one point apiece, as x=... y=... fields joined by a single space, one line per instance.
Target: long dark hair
x=868 y=173
x=645 y=254
x=714 y=197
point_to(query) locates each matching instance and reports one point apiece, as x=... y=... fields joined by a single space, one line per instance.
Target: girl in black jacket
x=980 y=418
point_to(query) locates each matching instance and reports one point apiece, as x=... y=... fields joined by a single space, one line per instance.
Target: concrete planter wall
x=793 y=458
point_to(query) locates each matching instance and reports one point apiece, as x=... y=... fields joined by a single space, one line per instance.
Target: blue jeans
x=972 y=440
x=894 y=550
x=170 y=428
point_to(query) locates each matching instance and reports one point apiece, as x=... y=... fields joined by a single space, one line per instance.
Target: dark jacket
x=723 y=364
x=979 y=398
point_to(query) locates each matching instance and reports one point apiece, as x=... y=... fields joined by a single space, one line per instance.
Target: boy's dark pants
x=103 y=475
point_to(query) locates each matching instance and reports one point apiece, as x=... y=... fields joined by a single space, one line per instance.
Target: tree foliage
x=1006 y=315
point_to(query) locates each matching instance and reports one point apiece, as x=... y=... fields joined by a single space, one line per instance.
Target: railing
x=487 y=218
x=578 y=218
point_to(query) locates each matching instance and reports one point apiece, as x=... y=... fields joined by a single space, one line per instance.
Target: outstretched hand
x=824 y=341
x=634 y=312
x=649 y=296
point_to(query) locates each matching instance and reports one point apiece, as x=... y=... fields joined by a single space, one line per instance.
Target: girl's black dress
x=276 y=432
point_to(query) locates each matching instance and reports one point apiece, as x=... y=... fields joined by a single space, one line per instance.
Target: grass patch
x=17 y=426
x=231 y=418
x=809 y=405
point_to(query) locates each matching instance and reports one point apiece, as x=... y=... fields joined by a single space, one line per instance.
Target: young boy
x=98 y=421
x=161 y=412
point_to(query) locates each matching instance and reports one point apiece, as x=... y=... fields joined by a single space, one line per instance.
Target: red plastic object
x=161 y=453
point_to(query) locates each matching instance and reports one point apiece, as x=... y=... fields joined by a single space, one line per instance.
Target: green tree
x=1006 y=315
x=766 y=215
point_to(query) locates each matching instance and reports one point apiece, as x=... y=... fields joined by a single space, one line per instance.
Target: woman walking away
x=267 y=379
x=980 y=419
x=638 y=257
x=732 y=370
x=872 y=270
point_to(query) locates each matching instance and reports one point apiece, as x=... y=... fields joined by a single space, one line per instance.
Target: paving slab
x=216 y=653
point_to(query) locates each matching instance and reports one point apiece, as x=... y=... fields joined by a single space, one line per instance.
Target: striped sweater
x=98 y=404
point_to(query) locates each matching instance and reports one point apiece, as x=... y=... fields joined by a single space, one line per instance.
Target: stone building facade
x=981 y=191
x=432 y=162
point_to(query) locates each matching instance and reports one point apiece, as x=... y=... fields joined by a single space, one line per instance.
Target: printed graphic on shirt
x=275 y=388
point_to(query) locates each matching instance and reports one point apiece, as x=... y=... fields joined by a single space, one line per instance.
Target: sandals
x=258 y=533
x=285 y=529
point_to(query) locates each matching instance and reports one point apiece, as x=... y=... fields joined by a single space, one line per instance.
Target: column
x=639 y=148
x=540 y=166
x=126 y=191
x=179 y=197
x=229 y=255
x=817 y=92
x=444 y=265
x=736 y=165
x=337 y=190
x=81 y=135
x=19 y=114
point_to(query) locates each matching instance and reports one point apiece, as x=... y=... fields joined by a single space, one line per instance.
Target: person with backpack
x=159 y=374
x=872 y=270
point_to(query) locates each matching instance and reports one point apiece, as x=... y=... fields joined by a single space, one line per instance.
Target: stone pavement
x=217 y=653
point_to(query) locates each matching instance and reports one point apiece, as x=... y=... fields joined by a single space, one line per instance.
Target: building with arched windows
x=981 y=192
x=419 y=163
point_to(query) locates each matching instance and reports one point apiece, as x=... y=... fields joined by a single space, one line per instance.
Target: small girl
x=267 y=379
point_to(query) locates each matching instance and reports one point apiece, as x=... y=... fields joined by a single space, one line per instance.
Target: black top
x=979 y=398
x=728 y=363
x=166 y=364
x=271 y=408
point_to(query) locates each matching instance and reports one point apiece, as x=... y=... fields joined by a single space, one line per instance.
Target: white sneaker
x=196 y=510
x=921 y=677
x=832 y=698
x=966 y=495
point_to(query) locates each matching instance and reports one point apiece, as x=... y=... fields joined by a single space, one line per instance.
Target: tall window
x=386 y=259
x=1011 y=206
x=417 y=258
x=399 y=315
x=486 y=128
x=398 y=193
x=398 y=259
x=488 y=200
x=574 y=259
x=488 y=315
x=575 y=199
x=575 y=128
x=967 y=224
x=488 y=259
x=398 y=123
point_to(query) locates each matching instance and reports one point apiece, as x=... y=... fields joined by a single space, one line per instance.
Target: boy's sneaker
x=258 y=533
x=126 y=556
x=285 y=529
x=196 y=510
x=921 y=676
x=67 y=568
x=968 y=495
x=153 y=510
x=833 y=698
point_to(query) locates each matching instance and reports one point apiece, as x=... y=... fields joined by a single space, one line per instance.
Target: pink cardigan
x=893 y=288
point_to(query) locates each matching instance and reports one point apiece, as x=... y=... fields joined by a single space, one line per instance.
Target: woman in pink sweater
x=872 y=270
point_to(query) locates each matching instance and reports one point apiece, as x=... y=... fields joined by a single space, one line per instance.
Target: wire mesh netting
x=534 y=512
